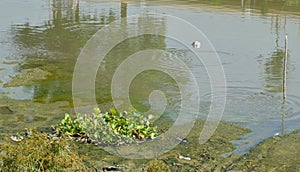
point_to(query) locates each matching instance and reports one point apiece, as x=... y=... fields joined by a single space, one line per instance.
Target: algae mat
x=270 y=155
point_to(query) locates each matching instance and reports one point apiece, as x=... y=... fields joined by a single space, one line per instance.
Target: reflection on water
x=248 y=7
x=54 y=46
x=132 y=45
x=273 y=72
x=251 y=49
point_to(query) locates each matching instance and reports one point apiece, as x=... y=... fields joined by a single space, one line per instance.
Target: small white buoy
x=196 y=44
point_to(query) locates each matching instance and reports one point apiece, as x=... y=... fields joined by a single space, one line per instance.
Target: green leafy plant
x=69 y=127
x=40 y=152
x=133 y=125
x=110 y=127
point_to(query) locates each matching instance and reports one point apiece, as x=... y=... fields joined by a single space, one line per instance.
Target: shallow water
x=248 y=37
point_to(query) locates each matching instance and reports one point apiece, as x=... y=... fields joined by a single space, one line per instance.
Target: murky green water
x=248 y=36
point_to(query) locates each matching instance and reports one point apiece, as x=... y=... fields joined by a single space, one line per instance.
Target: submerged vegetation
x=48 y=49
x=37 y=151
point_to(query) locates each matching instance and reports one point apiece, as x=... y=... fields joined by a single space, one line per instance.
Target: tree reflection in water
x=55 y=45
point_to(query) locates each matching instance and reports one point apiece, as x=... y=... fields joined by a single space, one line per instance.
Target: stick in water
x=284 y=83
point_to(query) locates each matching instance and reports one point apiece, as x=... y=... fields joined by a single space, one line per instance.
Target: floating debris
x=184 y=140
x=112 y=168
x=16 y=138
x=196 y=44
x=184 y=157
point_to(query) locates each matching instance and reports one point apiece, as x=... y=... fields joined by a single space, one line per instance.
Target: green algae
x=278 y=153
x=10 y=62
x=27 y=77
x=27 y=114
x=272 y=154
x=157 y=165
x=39 y=152
x=5 y=110
x=203 y=157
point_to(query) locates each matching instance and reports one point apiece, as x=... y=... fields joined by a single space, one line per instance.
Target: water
x=248 y=37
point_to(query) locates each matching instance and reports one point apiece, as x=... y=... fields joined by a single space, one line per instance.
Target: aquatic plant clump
x=40 y=152
x=69 y=127
x=157 y=165
x=110 y=127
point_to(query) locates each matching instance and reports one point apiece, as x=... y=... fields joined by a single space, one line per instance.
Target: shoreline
x=187 y=155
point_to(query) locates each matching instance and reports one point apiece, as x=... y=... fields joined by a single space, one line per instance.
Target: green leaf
x=97 y=110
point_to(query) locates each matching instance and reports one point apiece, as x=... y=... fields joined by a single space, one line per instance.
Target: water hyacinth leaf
x=112 y=127
x=95 y=122
x=97 y=110
x=130 y=126
x=113 y=111
x=152 y=135
x=139 y=127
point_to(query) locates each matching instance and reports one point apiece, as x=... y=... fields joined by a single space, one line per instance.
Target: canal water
x=248 y=36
